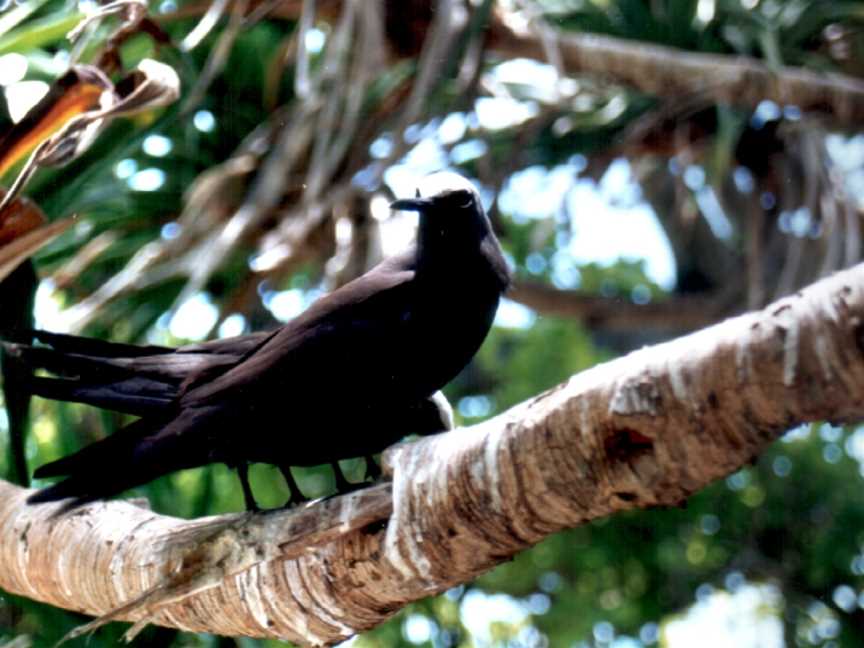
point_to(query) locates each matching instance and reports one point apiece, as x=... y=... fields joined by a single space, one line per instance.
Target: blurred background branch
x=666 y=72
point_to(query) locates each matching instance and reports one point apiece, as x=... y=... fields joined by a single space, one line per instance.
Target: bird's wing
x=348 y=326
x=149 y=380
x=97 y=348
x=238 y=346
x=142 y=380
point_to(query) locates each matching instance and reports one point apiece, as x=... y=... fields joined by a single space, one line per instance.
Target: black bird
x=348 y=377
x=145 y=380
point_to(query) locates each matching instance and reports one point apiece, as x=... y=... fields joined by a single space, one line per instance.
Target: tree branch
x=670 y=72
x=644 y=430
x=655 y=69
x=678 y=313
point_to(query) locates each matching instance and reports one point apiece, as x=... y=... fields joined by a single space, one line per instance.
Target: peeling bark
x=644 y=430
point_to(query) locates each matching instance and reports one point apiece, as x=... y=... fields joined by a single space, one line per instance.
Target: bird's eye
x=462 y=198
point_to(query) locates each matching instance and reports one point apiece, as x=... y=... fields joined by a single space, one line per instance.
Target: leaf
x=39 y=32
x=76 y=92
x=151 y=85
x=17 y=14
x=20 y=217
x=22 y=248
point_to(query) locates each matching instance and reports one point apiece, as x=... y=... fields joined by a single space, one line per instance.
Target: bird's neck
x=444 y=251
x=439 y=249
x=431 y=241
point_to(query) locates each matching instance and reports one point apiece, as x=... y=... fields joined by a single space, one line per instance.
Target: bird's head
x=442 y=194
x=454 y=225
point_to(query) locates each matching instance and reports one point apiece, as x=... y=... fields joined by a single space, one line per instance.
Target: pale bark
x=644 y=430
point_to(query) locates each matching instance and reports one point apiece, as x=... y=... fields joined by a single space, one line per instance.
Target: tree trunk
x=644 y=430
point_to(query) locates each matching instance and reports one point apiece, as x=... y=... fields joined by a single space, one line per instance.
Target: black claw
x=373 y=471
x=248 y=497
x=342 y=484
x=297 y=496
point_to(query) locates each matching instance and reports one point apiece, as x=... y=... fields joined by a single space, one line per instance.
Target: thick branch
x=669 y=72
x=644 y=430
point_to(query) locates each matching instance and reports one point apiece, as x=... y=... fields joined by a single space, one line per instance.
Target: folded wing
x=140 y=380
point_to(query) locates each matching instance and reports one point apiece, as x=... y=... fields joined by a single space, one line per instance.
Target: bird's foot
x=297 y=496
x=343 y=486
x=248 y=497
x=373 y=471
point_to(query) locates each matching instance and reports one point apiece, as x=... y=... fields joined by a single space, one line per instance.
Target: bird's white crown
x=444 y=182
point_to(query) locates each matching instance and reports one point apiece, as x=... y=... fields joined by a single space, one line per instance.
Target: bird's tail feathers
x=94 y=347
x=128 y=458
x=142 y=384
x=136 y=395
x=78 y=363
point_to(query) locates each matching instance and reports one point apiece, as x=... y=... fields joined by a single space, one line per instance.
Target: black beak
x=412 y=204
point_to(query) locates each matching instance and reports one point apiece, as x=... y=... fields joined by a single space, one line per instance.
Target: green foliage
x=792 y=520
x=784 y=33
x=518 y=364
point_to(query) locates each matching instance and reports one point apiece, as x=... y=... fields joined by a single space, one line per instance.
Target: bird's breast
x=446 y=328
